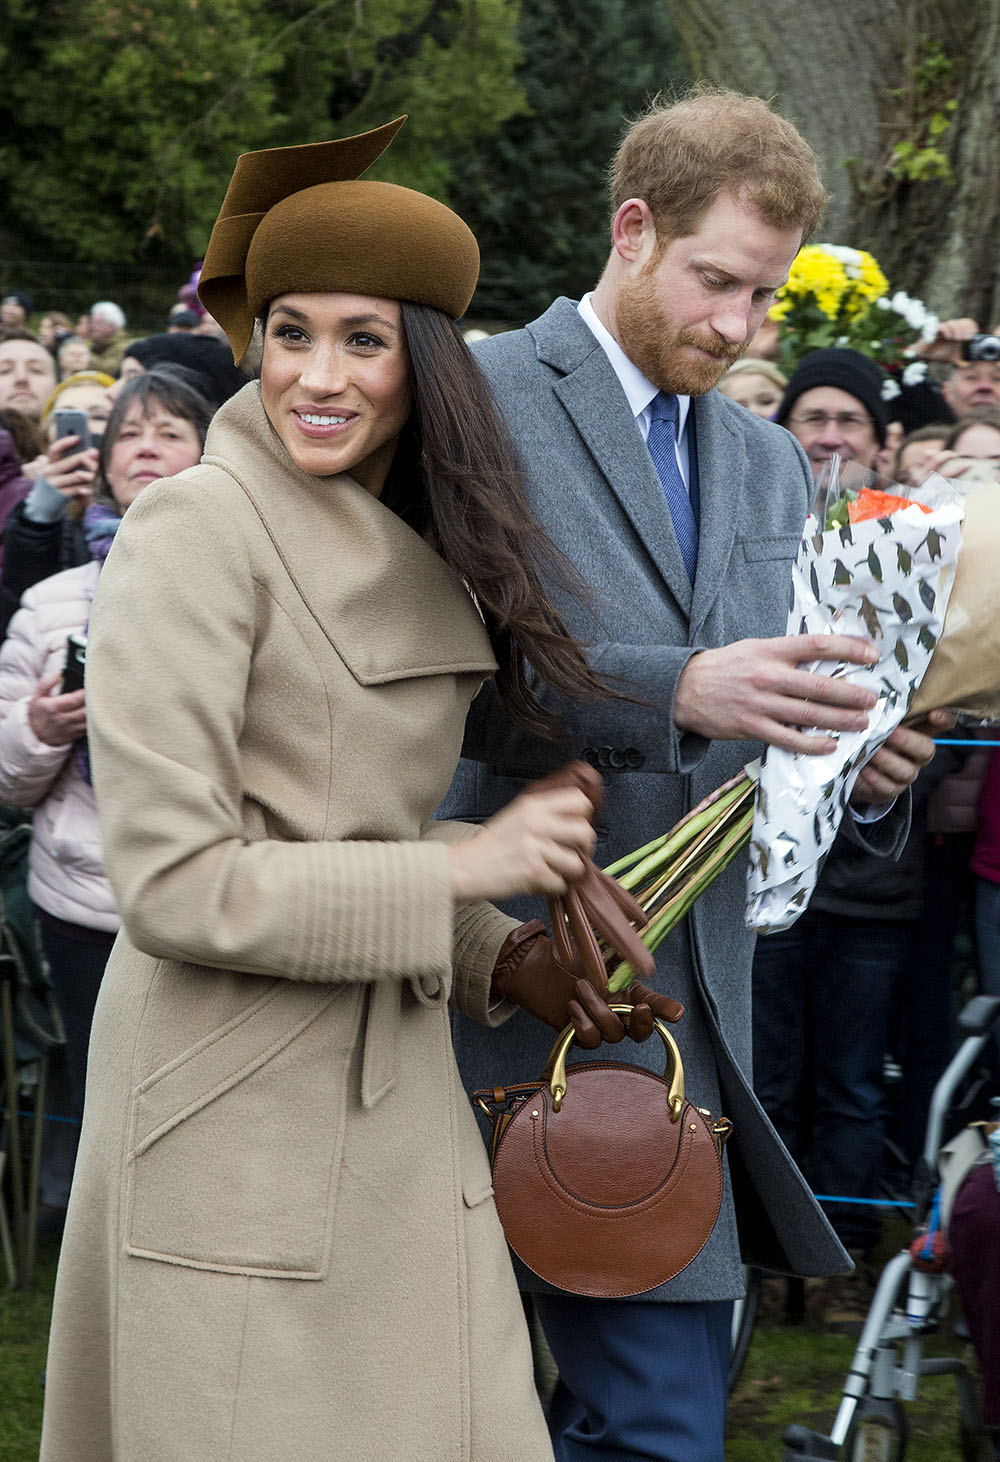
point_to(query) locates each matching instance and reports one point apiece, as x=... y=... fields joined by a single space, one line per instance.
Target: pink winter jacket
x=66 y=869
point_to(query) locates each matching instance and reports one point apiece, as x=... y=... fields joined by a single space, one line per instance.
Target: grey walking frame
x=909 y=1303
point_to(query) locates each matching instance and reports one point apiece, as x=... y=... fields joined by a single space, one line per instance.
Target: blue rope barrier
x=46 y=1117
x=871 y=1202
x=946 y=741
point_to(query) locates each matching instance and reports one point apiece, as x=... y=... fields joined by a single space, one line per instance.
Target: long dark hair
x=455 y=478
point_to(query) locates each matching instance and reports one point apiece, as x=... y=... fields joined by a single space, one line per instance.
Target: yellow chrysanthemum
x=843 y=282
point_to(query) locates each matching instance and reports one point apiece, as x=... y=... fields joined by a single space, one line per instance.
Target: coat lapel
x=595 y=403
x=721 y=469
x=390 y=605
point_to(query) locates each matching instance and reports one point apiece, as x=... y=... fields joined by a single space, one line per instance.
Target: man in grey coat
x=685 y=541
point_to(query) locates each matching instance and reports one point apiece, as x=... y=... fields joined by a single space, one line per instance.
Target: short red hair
x=679 y=158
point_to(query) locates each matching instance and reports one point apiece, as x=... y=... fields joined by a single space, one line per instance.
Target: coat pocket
x=477 y=1179
x=772 y=546
x=235 y=1144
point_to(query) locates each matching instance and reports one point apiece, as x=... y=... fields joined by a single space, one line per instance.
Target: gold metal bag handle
x=557 y=1061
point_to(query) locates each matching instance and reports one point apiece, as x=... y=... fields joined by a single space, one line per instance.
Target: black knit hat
x=207 y=358
x=847 y=370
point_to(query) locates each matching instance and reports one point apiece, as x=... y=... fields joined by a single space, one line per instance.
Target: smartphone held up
x=69 y=423
x=76 y=659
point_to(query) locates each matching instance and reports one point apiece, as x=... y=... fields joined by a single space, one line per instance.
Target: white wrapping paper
x=889 y=580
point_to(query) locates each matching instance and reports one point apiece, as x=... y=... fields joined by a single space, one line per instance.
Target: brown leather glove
x=563 y=980
x=529 y=973
x=594 y=901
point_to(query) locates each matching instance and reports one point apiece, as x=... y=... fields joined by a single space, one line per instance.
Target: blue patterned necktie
x=662 y=448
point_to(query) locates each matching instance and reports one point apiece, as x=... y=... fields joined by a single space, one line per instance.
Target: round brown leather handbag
x=607 y=1180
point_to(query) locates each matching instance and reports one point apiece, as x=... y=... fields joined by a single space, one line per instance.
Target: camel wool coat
x=281 y=1240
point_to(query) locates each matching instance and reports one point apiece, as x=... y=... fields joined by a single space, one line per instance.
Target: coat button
x=634 y=759
x=617 y=759
x=589 y=754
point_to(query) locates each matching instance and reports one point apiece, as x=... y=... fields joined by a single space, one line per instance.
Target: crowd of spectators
x=89 y=415
x=854 y=1004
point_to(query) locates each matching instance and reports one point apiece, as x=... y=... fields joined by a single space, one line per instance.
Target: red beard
x=655 y=347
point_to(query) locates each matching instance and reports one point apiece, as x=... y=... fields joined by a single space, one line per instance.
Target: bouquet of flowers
x=839 y=296
x=912 y=570
x=871 y=563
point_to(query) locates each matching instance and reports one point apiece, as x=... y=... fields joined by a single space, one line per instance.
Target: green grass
x=792 y=1374
x=24 y=1324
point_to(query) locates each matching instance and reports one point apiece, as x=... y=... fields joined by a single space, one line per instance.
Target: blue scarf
x=100 y=523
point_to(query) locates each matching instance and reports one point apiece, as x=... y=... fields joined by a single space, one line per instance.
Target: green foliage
x=535 y=193
x=93 y=106
x=918 y=157
x=121 y=121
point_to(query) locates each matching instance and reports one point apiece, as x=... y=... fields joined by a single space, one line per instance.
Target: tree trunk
x=858 y=80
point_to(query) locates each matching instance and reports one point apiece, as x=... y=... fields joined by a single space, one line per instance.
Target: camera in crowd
x=982 y=347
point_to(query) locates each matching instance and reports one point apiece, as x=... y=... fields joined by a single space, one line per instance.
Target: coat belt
x=383 y=1018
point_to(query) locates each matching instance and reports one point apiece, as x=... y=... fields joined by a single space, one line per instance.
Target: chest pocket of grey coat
x=774 y=546
x=235 y=1144
x=766 y=574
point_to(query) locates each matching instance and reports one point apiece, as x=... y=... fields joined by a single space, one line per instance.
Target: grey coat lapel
x=721 y=492
x=593 y=399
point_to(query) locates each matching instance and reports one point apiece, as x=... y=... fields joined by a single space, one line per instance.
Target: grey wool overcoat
x=593 y=486
x=281 y=1240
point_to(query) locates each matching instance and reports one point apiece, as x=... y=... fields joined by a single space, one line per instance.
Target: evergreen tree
x=120 y=122
x=535 y=193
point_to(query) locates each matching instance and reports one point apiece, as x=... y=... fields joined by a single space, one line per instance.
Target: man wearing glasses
x=833 y=404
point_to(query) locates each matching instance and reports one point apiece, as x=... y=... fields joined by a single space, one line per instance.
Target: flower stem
x=705 y=816
x=630 y=859
x=719 y=850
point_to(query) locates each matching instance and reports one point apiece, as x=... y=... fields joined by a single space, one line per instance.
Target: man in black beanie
x=833 y=403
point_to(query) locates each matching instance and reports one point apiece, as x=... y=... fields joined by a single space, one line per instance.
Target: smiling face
x=27 y=376
x=685 y=310
x=151 y=443
x=335 y=383
x=826 y=420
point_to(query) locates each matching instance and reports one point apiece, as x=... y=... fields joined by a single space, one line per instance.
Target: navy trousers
x=822 y=994
x=637 y=1381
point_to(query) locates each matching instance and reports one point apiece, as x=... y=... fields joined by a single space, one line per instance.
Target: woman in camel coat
x=281 y=1240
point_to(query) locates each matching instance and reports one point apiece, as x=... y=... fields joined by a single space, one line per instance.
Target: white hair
x=108 y=310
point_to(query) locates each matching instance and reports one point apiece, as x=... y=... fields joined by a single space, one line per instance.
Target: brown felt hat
x=297 y=219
